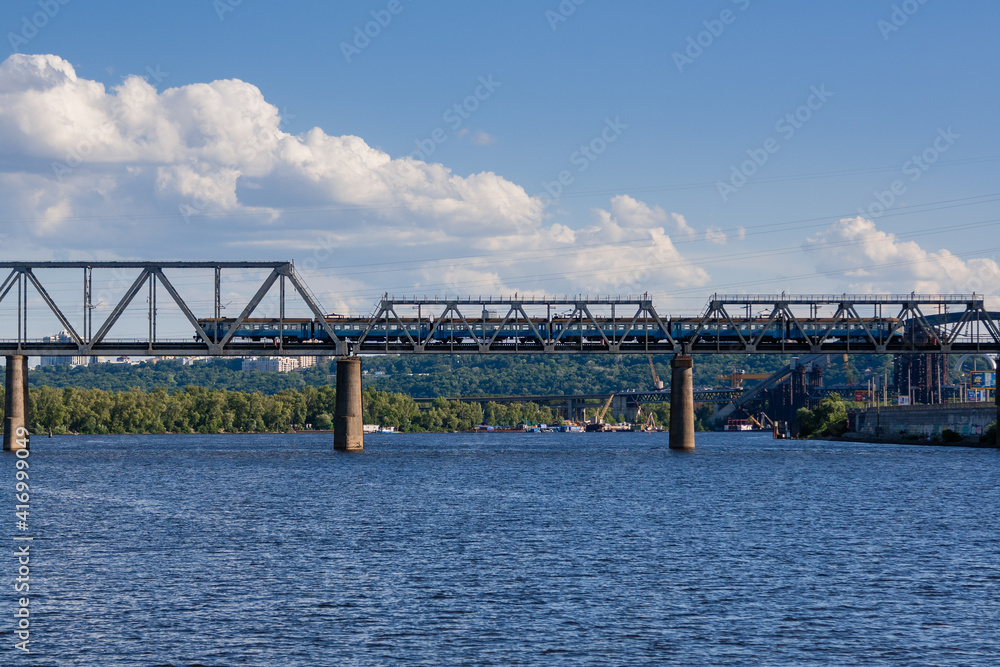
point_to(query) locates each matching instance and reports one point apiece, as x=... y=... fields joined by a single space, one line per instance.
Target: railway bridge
x=282 y=317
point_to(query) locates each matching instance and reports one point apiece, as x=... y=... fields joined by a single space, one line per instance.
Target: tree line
x=202 y=410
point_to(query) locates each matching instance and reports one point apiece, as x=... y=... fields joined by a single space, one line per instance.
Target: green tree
x=828 y=418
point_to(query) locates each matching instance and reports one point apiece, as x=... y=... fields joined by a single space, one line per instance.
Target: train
x=305 y=330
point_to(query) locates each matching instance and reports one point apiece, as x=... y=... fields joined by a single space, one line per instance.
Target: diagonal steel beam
x=924 y=324
x=763 y=332
x=434 y=326
x=9 y=282
x=402 y=326
x=663 y=327
x=313 y=306
x=900 y=322
x=969 y=310
x=837 y=317
x=120 y=307
x=254 y=302
x=468 y=326
x=53 y=307
x=538 y=334
x=733 y=325
x=384 y=305
x=798 y=325
x=496 y=333
x=569 y=324
x=991 y=326
x=182 y=305
x=586 y=310
x=853 y=311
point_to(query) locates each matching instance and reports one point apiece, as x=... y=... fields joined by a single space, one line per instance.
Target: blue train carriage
x=782 y=330
x=566 y=330
x=258 y=329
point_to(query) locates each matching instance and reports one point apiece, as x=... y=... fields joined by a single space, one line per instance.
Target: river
x=505 y=549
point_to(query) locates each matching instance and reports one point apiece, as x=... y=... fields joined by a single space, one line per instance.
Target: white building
x=278 y=364
x=62 y=337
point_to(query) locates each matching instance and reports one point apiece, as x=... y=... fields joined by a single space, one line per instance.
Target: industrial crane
x=598 y=423
x=736 y=378
x=657 y=382
x=599 y=418
x=649 y=425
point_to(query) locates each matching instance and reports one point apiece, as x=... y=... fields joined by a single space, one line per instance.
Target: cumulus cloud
x=211 y=149
x=878 y=261
x=205 y=170
x=681 y=224
x=627 y=249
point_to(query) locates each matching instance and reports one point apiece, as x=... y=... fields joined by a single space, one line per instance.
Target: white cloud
x=681 y=225
x=481 y=138
x=205 y=171
x=626 y=250
x=215 y=148
x=714 y=234
x=878 y=261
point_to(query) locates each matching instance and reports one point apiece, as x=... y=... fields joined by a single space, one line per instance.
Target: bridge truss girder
x=86 y=341
x=784 y=324
x=536 y=339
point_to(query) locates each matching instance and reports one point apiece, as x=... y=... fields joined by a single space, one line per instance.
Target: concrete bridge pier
x=15 y=404
x=996 y=401
x=348 y=424
x=682 y=403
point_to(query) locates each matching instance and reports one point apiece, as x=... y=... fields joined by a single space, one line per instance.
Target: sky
x=464 y=148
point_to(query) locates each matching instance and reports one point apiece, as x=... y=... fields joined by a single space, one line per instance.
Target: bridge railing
x=833 y=299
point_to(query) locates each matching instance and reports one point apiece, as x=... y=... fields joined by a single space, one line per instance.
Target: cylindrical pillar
x=996 y=401
x=682 y=403
x=15 y=404
x=348 y=424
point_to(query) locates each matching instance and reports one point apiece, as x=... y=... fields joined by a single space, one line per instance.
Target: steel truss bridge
x=740 y=324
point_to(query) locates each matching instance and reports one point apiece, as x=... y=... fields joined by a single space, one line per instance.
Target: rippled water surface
x=500 y=549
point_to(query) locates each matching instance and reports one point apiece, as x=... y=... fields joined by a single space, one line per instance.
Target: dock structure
x=730 y=324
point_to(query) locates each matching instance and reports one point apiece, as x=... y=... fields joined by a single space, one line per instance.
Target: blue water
x=506 y=549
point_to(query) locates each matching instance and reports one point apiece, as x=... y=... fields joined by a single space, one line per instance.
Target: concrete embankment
x=924 y=423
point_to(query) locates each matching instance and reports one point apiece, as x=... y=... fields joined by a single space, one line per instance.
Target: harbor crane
x=736 y=377
x=657 y=382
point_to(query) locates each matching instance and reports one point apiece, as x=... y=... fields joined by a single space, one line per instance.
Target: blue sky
x=699 y=178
